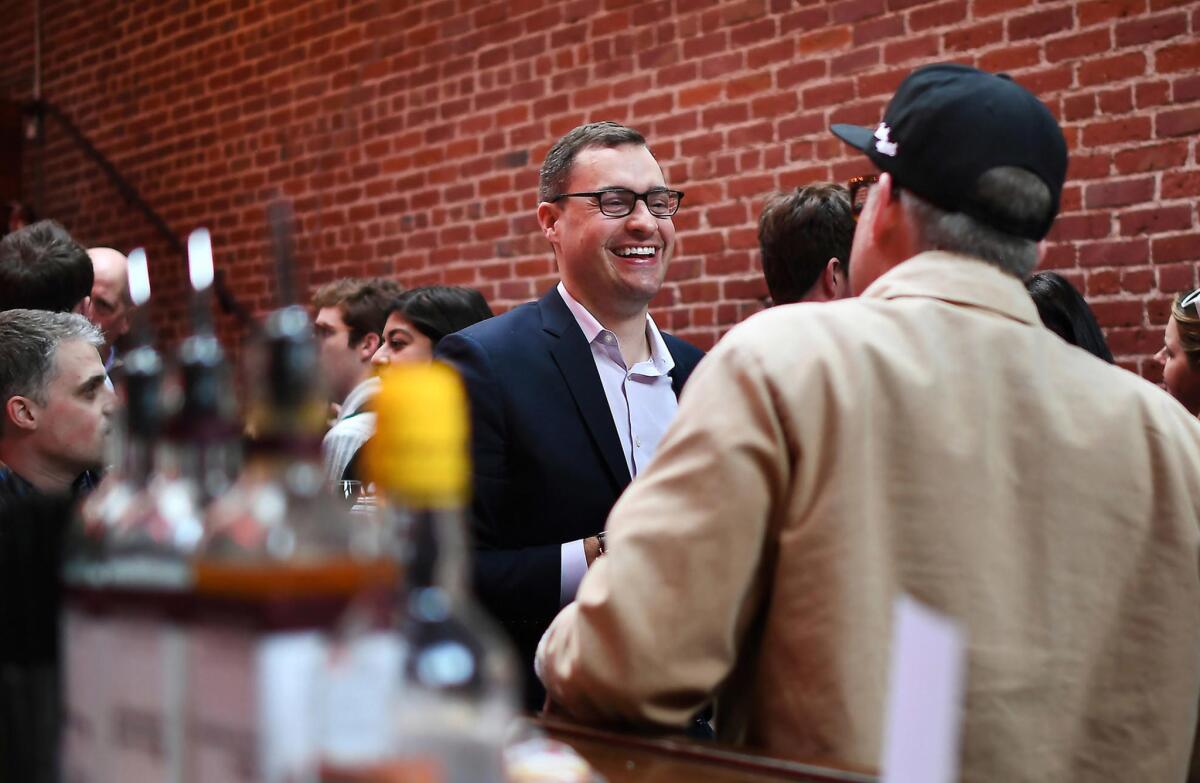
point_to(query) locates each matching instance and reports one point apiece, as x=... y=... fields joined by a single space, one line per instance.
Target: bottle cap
x=419 y=452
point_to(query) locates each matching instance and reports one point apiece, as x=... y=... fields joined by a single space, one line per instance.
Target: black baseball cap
x=947 y=124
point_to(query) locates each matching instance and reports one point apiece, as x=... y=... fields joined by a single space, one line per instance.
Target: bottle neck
x=137 y=462
x=434 y=550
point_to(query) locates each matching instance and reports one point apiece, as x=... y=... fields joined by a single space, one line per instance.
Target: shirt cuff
x=574 y=566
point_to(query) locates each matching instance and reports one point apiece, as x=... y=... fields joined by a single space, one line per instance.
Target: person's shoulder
x=500 y=328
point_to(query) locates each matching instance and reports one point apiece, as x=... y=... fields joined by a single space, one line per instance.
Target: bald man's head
x=111 y=306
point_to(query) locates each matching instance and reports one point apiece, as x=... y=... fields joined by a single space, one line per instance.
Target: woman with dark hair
x=1180 y=354
x=1065 y=313
x=418 y=319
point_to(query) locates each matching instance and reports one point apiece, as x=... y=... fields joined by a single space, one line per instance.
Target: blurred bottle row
x=230 y=616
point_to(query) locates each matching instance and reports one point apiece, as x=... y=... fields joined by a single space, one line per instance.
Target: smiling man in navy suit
x=571 y=394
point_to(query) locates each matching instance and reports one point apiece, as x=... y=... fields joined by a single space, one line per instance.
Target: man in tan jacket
x=929 y=438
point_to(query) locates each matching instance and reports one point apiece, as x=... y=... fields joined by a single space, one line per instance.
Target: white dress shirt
x=642 y=404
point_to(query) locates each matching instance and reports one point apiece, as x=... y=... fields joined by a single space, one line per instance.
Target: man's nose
x=640 y=218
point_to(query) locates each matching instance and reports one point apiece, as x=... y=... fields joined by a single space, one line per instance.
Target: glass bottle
x=454 y=692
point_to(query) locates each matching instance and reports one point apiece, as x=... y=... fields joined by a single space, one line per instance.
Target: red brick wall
x=409 y=133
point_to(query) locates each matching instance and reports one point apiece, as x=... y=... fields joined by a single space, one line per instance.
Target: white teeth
x=635 y=251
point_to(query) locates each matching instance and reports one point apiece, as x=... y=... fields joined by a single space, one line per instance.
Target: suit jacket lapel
x=574 y=359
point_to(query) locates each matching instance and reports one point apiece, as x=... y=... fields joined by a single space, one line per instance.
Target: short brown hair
x=798 y=232
x=556 y=169
x=362 y=301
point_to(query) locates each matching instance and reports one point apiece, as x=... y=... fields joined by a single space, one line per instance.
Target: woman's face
x=1180 y=378
x=402 y=342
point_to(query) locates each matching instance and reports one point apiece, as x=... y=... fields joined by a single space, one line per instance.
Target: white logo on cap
x=884 y=145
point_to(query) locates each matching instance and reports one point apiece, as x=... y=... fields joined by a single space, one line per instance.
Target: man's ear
x=547 y=215
x=22 y=413
x=831 y=279
x=84 y=308
x=368 y=347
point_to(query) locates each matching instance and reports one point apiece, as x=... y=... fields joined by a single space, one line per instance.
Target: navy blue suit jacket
x=547 y=460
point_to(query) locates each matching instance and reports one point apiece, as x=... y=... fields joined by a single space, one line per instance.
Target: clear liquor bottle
x=454 y=690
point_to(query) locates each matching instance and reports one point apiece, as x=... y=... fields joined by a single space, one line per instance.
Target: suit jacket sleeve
x=516 y=584
x=688 y=550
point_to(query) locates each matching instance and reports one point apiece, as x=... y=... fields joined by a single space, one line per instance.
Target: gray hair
x=556 y=169
x=29 y=340
x=1014 y=195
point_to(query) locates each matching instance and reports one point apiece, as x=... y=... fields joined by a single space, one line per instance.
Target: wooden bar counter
x=630 y=758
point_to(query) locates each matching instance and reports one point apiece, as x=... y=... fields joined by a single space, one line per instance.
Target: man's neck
x=629 y=327
x=44 y=476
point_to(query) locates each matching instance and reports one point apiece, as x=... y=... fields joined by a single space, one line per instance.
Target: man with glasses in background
x=929 y=437
x=571 y=394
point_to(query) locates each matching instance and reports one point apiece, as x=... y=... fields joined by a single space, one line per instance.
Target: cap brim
x=854 y=135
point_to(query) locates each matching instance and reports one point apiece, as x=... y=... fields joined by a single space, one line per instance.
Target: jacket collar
x=959 y=280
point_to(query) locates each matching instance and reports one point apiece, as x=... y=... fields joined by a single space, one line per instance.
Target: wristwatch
x=603 y=544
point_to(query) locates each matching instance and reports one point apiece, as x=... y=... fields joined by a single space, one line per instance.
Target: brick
x=939 y=15
x=1118 y=101
x=1179 y=57
x=912 y=49
x=1114 y=253
x=854 y=10
x=828 y=94
x=993 y=7
x=824 y=40
x=1079 y=107
x=1149 y=94
x=1137 y=281
x=877 y=30
x=1155 y=220
x=1079 y=46
x=801 y=72
x=1183 y=247
x=1158 y=157
x=1103 y=133
x=805 y=20
x=1111 y=69
x=746 y=86
x=1011 y=58
x=1040 y=23
x=1181 y=122
x=776 y=105
x=857 y=60
x=1173 y=278
x=1098 y=11
x=1185 y=89
x=774 y=53
x=700 y=95
x=1071 y=228
x=1180 y=184
x=1134 y=32
x=1119 y=193
x=975 y=37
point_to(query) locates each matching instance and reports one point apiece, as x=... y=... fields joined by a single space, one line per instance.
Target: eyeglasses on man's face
x=619 y=202
x=860 y=188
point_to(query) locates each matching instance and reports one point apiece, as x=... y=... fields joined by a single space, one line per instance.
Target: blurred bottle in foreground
x=451 y=694
x=128 y=578
x=279 y=562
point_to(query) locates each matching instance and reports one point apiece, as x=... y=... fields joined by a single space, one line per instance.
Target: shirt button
x=637 y=441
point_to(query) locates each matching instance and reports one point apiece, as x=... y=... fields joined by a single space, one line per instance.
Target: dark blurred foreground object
x=31 y=530
x=1065 y=312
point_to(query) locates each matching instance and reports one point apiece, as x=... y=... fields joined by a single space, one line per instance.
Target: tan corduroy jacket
x=932 y=438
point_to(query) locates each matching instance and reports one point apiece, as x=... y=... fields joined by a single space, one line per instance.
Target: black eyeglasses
x=859 y=187
x=619 y=202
